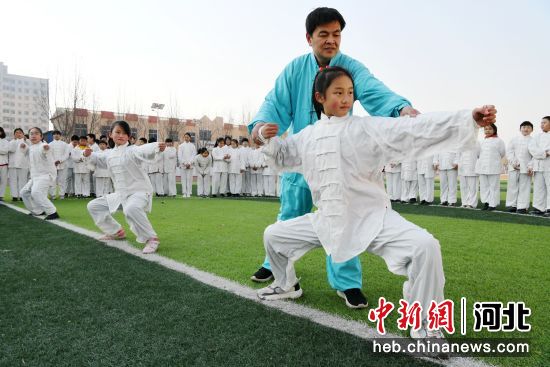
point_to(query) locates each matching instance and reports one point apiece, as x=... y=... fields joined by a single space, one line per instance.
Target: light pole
x=157 y=107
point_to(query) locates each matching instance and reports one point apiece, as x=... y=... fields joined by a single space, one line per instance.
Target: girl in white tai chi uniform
x=133 y=188
x=341 y=158
x=43 y=175
x=488 y=167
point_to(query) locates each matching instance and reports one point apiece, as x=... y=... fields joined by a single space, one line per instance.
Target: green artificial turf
x=68 y=300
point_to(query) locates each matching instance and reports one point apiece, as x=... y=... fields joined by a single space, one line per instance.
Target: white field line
x=356 y=328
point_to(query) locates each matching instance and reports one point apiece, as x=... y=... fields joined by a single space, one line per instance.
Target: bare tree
x=67 y=117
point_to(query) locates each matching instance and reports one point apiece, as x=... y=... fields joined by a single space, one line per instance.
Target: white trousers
x=219 y=183
x=18 y=178
x=134 y=210
x=269 y=185
x=156 y=182
x=203 y=185
x=61 y=182
x=103 y=186
x=92 y=182
x=82 y=184
x=186 y=182
x=235 y=183
x=169 y=182
x=518 y=191
x=489 y=189
x=426 y=188
x=35 y=195
x=69 y=185
x=541 y=191
x=393 y=183
x=247 y=189
x=3 y=180
x=406 y=248
x=408 y=190
x=468 y=190
x=257 y=184
x=448 y=185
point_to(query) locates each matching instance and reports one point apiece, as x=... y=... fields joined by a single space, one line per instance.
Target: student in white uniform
x=103 y=183
x=69 y=185
x=18 y=163
x=43 y=173
x=186 y=153
x=169 y=162
x=256 y=165
x=518 y=191
x=220 y=159
x=4 y=150
x=133 y=190
x=203 y=166
x=488 y=167
x=469 y=179
x=92 y=143
x=539 y=147
x=409 y=182
x=426 y=174
x=340 y=152
x=245 y=152
x=61 y=152
x=154 y=168
x=270 y=180
x=447 y=164
x=235 y=169
x=393 y=181
x=81 y=169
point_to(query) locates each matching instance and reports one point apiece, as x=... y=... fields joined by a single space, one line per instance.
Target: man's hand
x=162 y=146
x=46 y=147
x=409 y=111
x=455 y=166
x=485 y=115
x=23 y=146
x=57 y=163
x=269 y=130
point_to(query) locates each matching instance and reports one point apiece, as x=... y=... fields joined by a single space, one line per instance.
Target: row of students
x=479 y=167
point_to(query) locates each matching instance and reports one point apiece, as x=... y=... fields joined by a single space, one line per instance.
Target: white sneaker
x=434 y=337
x=271 y=293
x=151 y=246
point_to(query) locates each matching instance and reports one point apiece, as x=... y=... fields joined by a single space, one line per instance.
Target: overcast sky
x=222 y=57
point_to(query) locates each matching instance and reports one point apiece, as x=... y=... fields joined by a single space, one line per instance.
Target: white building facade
x=24 y=102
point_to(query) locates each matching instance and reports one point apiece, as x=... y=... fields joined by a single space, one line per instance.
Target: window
x=153 y=134
x=204 y=135
x=174 y=136
x=80 y=129
x=105 y=130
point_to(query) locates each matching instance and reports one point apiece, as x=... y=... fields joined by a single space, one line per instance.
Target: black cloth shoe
x=354 y=298
x=547 y=214
x=14 y=199
x=52 y=216
x=262 y=275
x=37 y=215
x=485 y=206
x=512 y=209
x=491 y=208
x=423 y=202
x=412 y=201
x=522 y=211
x=445 y=203
x=536 y=212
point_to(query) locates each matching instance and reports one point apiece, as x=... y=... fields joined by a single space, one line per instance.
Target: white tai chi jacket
x=341 y=159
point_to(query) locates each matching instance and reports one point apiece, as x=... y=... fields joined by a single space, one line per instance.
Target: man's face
x=325 y=41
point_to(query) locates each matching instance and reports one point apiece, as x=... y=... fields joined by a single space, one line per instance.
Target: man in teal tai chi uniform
x=289 y=105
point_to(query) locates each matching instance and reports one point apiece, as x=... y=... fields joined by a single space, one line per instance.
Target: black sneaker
x=14 y=199
x=522 y=211
x=412 y=201
x=354 y=298
x=491 y=208
x=37 y=215
x=512 y=209
x=262 y=275
x=214 y=196
x=445 y=203
x=536 y=212
x=423 y=202
x=547 y=214
x=52 y=216
x=485 y=206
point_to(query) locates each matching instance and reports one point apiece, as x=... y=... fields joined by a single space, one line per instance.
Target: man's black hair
x=322 y=16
